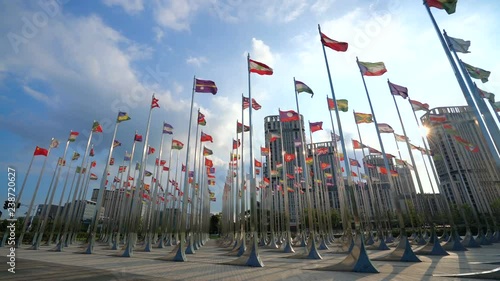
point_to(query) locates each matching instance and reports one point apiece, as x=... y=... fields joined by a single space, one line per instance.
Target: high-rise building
x=465 y=167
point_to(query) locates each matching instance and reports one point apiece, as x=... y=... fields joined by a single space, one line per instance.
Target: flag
x=79 y=170
x=343 y=104
x=273 y=137
x=91 y=152
x=246 y=103
x=201 y=119
x=211 y=182
x=210 y=170
x=166 y=168
x=61 y=162
x=335 y=137
x=288 y=116
x=264 y=151
x=297 y=142
x=496 y=106
x=459 y=45
x=208 y=162
x=207 y=151
x=302 y=87
x=177 y=144
x=394 y=173
x=122 y=116
x=54 y=143
x=167 y=128
x=438 y=118
x=382 y=170
x=93 y=176
x=240 y=127
x=205 y=86
x=92 y=164
x=257 y=164
x=477 y=73
x=259 y=68
x=154 y=102
x=206 y=137
x=333 y=44
x=448 y=5
x=368 y=165
x=137 y=166
x=159 y=162
x=288 y=157
x=72 y=136
x=373 y=150
x=111 y=161
x=401 y=138
x=116 y=143
x=279 y=166
x=325 y=166
x=416 y=105
x=309 y=160
x=354 y=162
x=122 y=169
x=316 y=126
x=236 y=144
x=486 y=95
x=372 y=68
x=354 y=174
x=363 y=118
x=384 y=128
x=357 y=145
x=127 y=157
x=75 y=156
x=96 y=127
x=151 y=150
x=298 y=170
x=138 y=138
x=321 y=150
x=340 y=155
x=397 y=90
x=147 y=173
x=40 y=151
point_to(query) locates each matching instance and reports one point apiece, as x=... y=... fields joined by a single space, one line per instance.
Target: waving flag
x=401 y=138
x=477 y=73
x=257 y=164
x=354 y=162
x=302 y=87
x=385 y=128
x=357 y=145
x=154 y=102
x=416 y=105
x=264 y=151
x=316 y=126
x=151 y=150
x=72 y=136
x=259 y=68
x=138 y=138
x=205 y=86
x=487 y=95
x=342 y=104
x=207 y=151
x=42 y=151
x=122 y=116
x=208 y=162
x=201 y=119
x=240 y=128
x=96 y=127
x=206 y=137
x=333 y=44
x=246 y=103
x=177 y=145
x=273 y=137
x=363 y=118
x=116 y=143
x=459 y=45
x=288 y=157
x=167 y=128
x=397 y=90
x=372 y=68
x=236 y=144
x=288 y=116
x=448 y=5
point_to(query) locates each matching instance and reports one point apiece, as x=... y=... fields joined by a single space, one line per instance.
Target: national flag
x=496 y=106
x=448 y=5
x=127 y=157
x=274 y=173
x=400 y=162
x=385 y=128
x=236 y=143
x=259 y=68
x=61 y=162
x=322 y=150
x=93 y=176
x=166 y=168
x=289 y=157
x=208 y=163
x=342 y=104
x=235 y=156
x=205 y=86
x=315 y=126
x=290 y=176
x=147 y=173
x=412 y=146
x=438 y=118
x=354 y=162
x=207 y=151
x=138 y=138
x=201 y=119
x=302 y=87
x=335 y=137
x=297 y=142
x=96 y=127
x=206 y=137
x=167 y=128
x=79 y=170
x=159 y=162
x=54 y=143
x=240 y=127
x=111 y=161
x=373 y=150
x=363 y=118
x=486 y=95
x=257 y=164
x=211 y=182
x=340 y=155
x=122 y=116
x=382 y=170
x=151 y=150
x=116 y=143
x=394 y=173
x=75 y=156
x=333 y=44
x=279 y=166
x=397 y=90
x=357 y=145
x=137 y=166
x=372 y=68
x=329 y=175
x=459 y=45
x=264 y=151
x=298 y=170
x=72 y=136
x=401 y=138
x=246 y=103
x=369 y=166
x=288 y=116
x=177 y=144
x=325 y=166
x=40 y=151
x=477 y=73
x=93 y=164
x=354 y=174
x=273 y=137
x=122 y=169
x=154 y=102
x=210 y=170
x=416 y=105
x=309 y=160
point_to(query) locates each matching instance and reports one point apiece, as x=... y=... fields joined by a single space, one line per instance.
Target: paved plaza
x=209 y=263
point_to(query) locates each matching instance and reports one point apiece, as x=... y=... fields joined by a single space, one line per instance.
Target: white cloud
x=176 y=14
x=197 y=61
x=159 y=34
x=130 y=6
x=39 y=96
x=261 y=51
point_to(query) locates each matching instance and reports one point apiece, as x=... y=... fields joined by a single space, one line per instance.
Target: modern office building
x=464 y=164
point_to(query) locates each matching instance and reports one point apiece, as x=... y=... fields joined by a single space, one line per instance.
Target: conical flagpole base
x=288 y=247
x=313 y=251
x=379 y=245
x=322 y=245
x=189 y=248
x=251 y=257
x=495 y=237
x=356 y=261
x=453 y=244
x=482 y=240
x=469 y=241
x=403 y=252
x=433 y=247
x=369 y=240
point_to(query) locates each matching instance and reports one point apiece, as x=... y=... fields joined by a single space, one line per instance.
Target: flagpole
x=288 y=244
x=467 y=95
x=65 y=211
x=408 y=254
x=189 y=246
x=243 y=246
x=152 y=229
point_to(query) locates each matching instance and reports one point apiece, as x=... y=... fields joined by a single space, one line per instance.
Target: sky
x=66 y=63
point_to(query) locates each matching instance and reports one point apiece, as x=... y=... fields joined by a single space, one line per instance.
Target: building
x=83 y=209
x=465 y=167
x=40 y=211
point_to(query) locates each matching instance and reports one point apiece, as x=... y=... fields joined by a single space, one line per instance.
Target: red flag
x=289 y=157
x=264 y=151
x=40 y=151
x=208 y=162
x=236 y=144
x=154 y=103
x=166 y=168
x=438 y=118
x=357 y=145
x=382 y=170
x=151 y=150
x=111 y=161
x=322 y=150
x=257 y=163
x=259 y=68
x=333 y=44
x=288 y=116
x=325 y=166
x=206 y=137
x=316 y=126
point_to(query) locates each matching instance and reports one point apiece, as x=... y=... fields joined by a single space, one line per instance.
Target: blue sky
x=78 y=61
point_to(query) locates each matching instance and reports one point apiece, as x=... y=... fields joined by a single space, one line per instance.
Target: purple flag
x=398 y=90
x=205 y=86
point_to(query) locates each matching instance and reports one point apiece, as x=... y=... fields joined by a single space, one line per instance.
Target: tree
x=215 y=221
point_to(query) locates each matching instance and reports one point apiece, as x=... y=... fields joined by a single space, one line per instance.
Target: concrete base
x=403 y=252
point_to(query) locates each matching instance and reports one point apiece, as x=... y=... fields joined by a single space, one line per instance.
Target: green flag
x=477 y=73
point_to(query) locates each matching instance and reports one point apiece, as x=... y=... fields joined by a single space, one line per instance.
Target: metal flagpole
x=243 y=246
x=189 y=246
x=288 y=242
